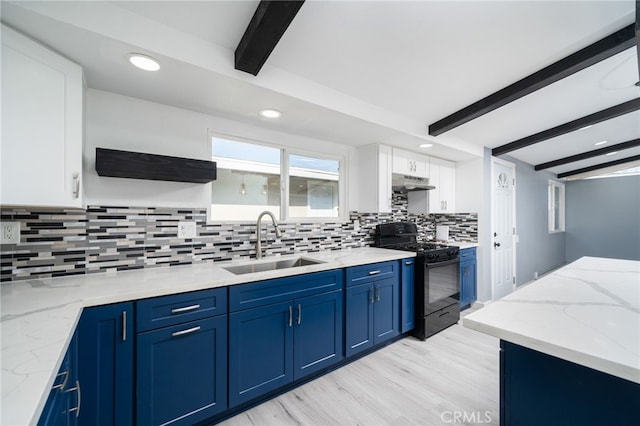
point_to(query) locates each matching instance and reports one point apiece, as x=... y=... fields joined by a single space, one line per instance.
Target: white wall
x=119 y=122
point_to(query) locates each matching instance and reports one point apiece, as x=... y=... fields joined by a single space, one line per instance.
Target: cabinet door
x=467 y=282
x=407 y=310
x=62 y=404
x=41 y=125
x=182 y=372
x=105 y=365
x=386 y=309
x=260 y=351
x=447 y=186
x=442 y=176
x=359 y=320
x=317 y=333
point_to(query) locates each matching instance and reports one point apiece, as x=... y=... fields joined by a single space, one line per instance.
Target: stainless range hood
x=403 y=184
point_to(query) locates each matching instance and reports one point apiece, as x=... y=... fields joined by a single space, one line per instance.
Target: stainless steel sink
x=271 y=266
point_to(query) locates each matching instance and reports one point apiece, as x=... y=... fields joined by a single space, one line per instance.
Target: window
x=253 y=178
x=556 y=206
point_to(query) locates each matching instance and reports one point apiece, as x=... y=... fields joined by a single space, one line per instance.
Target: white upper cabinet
x=374 y=176
x=443 y=177
x=42 y=113
x=410 y=164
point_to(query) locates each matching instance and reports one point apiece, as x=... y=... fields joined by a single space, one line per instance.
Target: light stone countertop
x=39 y=316
x=462 y=244
x=587 y=312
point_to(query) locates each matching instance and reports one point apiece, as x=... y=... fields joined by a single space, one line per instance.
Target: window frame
x=551 y=205
x=285 y=151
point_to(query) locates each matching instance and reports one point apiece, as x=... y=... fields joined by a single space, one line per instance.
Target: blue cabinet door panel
x=468 y=279
x=407 y=321
x=385 y=310
x=359 y=318
x=260 y=351
x=317 y=332
x=182 y=372
x=105 y=365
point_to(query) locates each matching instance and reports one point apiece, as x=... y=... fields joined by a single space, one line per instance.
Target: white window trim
x=285 y=151
x=551 y=225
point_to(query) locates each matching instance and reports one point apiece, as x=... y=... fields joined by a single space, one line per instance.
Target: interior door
x=503 y=228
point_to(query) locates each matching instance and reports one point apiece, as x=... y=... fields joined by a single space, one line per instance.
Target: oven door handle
x=445 y=263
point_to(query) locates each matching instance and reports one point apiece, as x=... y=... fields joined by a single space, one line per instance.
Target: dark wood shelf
x=137 y=165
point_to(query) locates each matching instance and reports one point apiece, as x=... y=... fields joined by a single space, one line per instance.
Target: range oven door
x=441 y=285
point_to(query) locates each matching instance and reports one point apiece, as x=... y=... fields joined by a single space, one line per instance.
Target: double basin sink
x=259 y=266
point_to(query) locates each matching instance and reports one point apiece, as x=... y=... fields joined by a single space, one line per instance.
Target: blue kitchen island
x=569 y=345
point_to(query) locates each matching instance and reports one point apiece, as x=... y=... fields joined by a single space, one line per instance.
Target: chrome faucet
x=259 y=231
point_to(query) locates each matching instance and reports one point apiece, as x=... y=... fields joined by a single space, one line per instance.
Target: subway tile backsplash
x=68 y=242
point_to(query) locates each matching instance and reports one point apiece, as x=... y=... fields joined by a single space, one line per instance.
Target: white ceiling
x=361 y=71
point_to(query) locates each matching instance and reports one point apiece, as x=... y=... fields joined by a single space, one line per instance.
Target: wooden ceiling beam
x=599 y=166
x=269 y=22
x=588 y=120
x=590 y=154
x=584 y=58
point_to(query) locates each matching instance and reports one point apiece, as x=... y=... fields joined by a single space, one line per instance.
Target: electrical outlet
x=10 y=233
x=186 y=229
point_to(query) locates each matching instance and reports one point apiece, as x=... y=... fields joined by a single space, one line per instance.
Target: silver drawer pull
x=377 y=271
x=187 y=331
x=185 y=309
x=408 y=263
x=64 y=383
x=76 y=409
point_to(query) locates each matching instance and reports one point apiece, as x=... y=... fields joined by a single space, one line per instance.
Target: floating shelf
x=137 y=165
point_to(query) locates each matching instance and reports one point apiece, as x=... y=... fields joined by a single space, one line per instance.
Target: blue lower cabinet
x=271 y=346
x=182 y=372
x=386 y=310
x=372 y=314
x=317 y=333
x=359 y=318
x=61 y=408
x=468 y=273
x=260 y=351
x=105 y=365
x=407 y=290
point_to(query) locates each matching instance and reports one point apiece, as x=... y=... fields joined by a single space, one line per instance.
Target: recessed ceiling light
x=600 y=143
x=586 y=127
x=612 y=153
x=426 y=145
x=270 y=113
x=144 y=62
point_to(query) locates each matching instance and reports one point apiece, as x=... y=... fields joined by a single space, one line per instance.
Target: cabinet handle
x=124 y=326
x=77 y=408
x=290 y=316
x=187 y=331
x=299 y=314
x=377 y=294
x=185 y=309
x=377 y=271
x=408 y=263
x=76 y=185
x=371 y=295
x=64 y=383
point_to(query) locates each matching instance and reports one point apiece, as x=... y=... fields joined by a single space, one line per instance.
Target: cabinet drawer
x=245 y=296
x=178 y=308
x=468 y=254
x=359 y=274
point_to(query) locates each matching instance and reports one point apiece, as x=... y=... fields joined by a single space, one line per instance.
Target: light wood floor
x=451 y=378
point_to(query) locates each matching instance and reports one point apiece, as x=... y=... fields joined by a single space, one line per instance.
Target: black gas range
x=437 y=284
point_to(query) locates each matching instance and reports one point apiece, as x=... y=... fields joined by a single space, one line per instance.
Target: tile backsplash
x=59 y=242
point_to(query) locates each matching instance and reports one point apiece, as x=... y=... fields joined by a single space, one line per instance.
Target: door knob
x=496 y=244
